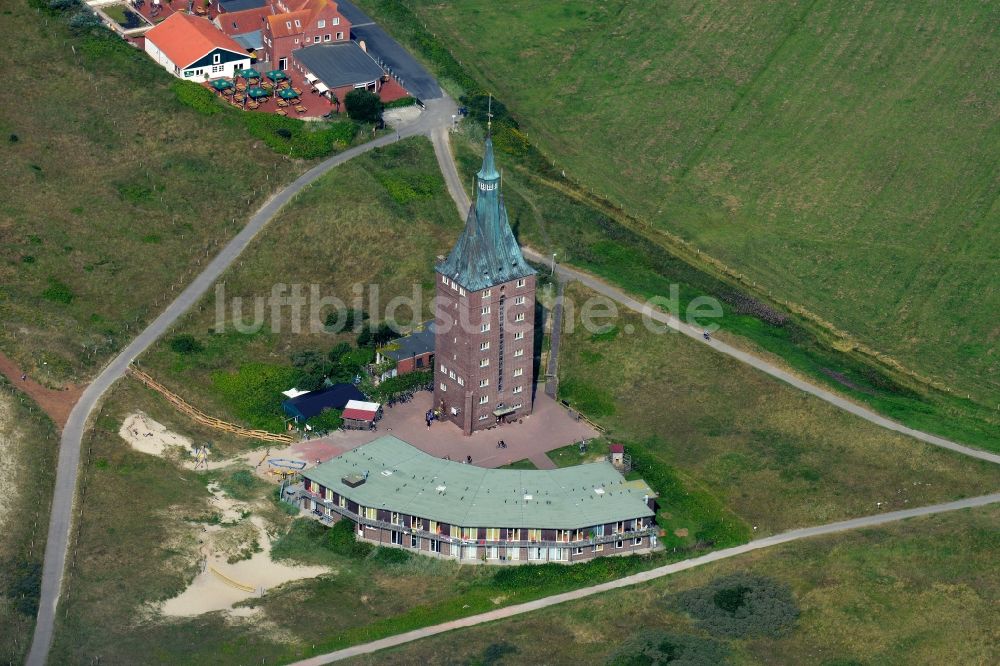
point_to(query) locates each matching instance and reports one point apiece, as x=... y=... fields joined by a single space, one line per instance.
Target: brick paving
x=549 y=427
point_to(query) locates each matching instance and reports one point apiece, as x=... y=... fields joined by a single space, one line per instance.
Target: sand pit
x=149 y=436
x=221 y=585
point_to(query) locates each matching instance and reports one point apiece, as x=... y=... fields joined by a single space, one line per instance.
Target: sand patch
x=220 y=585
x=149 y=436
x=9 y=442
x=401 y=117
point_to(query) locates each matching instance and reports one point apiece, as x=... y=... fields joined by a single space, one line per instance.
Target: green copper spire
x=486 y=253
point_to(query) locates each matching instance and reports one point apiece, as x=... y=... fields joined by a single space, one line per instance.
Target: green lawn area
x=776 y=457
x=840 y=156
x=380 y=220
x=28 y=449
x=116 y=193
x=520 y=464
x=916 y=592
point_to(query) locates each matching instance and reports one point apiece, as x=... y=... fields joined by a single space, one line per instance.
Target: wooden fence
x=201 y=417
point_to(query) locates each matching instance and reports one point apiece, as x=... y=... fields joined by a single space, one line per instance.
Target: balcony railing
x=457 y=540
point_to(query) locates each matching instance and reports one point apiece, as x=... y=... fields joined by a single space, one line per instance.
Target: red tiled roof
x=185 y=38
x=617 y=448
x=283 y=25
x=246 y=20
x=359 y=414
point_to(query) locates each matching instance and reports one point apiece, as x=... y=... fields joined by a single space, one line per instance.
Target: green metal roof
x=486 y=253
x=405 y=479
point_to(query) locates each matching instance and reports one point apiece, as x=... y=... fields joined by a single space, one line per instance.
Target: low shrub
x=654 y=647
x=253 y=393
x=297 y=138
x=185 y=343
x=196 y=96
x=741 y=606
x=495 y=652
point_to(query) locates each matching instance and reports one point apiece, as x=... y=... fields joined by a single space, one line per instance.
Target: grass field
x=115 y=194
x=28 y=445
x=841 y=156
x=379 y=220
x=775 y=457
x=910 y=593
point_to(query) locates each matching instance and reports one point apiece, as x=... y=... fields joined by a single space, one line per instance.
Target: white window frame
x=518 y=372
x=484 y=400
x=518 y=353
x=483 y=346
x=321 y=24
x=487 y=293
x=443 y=387
x=335 y=20
x=519 y=335
x=486 y=309
x=519 y=317
x=483 y=383
x=517 y=389
x=484 y=363
x=519 y=300
x=520 y=283
x=485 y=328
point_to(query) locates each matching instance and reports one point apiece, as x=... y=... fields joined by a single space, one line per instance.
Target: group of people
x=501 y=444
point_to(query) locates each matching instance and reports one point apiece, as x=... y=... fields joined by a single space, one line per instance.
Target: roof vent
x=528 y=498
x=353 y=480
x=387 y=472
x=440 y=489
x=599 y=491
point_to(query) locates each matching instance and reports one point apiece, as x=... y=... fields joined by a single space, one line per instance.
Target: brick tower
x=485 y=313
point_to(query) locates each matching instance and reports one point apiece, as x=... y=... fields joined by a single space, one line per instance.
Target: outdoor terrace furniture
x=297 y=91
x=300 y=109
x=253 y=105
x=282 y=112
x=282 y=103
x=241 y=87
x=239 y=98
x=267 y=85
x=228 y=91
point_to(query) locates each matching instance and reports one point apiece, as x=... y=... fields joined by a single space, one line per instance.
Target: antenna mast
x=489 y=115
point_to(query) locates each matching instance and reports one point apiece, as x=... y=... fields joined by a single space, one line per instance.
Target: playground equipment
x=201 y=456
x=288 y=463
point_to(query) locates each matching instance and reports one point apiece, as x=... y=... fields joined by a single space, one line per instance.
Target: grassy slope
x=843 y=156
x=133 y=554
x=778 y=458
x=28 y=445
x=346 y=229
x=112 y=188
x=910 y=593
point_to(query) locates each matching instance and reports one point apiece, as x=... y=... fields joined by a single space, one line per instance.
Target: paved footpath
x=446 y=163
x=438 y=112
x=645 y=576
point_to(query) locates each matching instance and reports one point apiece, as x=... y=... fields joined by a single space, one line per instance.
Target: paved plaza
x=549 y=427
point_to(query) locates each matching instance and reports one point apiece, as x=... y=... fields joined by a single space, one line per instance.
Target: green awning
x=288 y=93
x=257 y=93
x=276 y=75
x=503 y=411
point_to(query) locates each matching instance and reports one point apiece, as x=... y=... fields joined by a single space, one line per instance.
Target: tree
x=363 y=106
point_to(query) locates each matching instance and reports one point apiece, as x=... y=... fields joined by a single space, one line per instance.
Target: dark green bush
x=400 y=103
x=185 y=343
x=495 y=652
x=363 y=106
x=653 y=646
x=342 y=541
x=741 y=606
x=327 y=420
x=391 y=556
x=58 y=292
